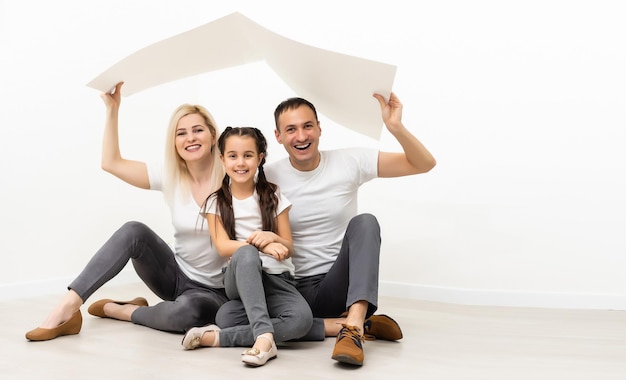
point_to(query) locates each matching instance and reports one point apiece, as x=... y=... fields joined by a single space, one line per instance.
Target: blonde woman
x=188 y=276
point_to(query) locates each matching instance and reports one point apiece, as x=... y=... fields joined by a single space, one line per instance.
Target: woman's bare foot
x=69 y=304
x=121 y=312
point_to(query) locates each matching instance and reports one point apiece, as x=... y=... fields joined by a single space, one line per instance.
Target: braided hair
x=268 y=201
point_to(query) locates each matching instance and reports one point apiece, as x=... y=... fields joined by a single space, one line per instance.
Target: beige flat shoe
x=193 y=336
x=256 y=358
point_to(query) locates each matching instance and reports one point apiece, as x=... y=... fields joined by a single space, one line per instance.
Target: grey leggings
x=186 y=304
x=260 y=303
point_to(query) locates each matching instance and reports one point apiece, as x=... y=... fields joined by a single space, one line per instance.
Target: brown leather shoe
x=349 y=346
x=97 y=308
x=70 y=327
x=381 y=327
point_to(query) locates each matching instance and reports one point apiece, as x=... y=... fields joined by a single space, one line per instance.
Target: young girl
x=249 y=222
x=188 y=276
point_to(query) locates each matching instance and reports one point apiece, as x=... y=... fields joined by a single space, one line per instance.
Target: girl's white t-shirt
x=248 y=219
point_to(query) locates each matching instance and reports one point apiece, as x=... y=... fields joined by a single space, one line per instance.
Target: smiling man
x=337 y=250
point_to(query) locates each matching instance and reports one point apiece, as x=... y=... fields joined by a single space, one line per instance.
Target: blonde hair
x=176 y=171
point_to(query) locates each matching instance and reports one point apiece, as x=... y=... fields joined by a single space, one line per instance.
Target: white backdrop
x=521 y=102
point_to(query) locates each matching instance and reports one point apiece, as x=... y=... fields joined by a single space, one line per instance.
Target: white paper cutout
x=339 y=85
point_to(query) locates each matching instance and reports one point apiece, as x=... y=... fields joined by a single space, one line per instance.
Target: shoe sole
x=253 y=364
x=347 y=360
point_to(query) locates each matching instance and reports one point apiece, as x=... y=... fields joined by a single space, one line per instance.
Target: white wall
x=522 y=104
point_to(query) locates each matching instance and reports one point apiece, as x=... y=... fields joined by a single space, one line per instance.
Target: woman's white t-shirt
x=192 y=246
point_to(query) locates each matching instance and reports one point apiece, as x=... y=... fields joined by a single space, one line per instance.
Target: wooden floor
x=441 y=341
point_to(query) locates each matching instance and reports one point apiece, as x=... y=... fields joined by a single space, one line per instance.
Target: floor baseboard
x=506 y=298
x=55 y=286
x=462 y=296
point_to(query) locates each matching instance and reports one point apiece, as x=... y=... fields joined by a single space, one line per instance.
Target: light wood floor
x=441 y=341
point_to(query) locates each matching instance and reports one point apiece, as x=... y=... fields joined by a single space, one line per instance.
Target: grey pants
x=260 y=303
x=186 y=304
x=353 y=277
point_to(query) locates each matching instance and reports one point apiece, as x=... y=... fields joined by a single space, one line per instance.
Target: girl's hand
x=276 y=250
x=260 y=239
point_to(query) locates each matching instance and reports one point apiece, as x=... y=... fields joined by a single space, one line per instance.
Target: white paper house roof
x=340 y=85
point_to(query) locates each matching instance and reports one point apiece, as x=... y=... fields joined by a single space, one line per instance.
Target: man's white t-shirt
x=248 y=219
x=323 y=202
x=195 y=254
